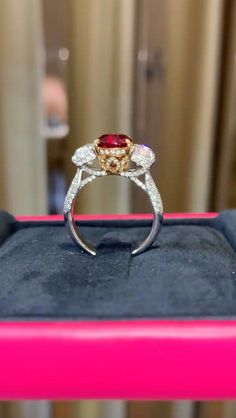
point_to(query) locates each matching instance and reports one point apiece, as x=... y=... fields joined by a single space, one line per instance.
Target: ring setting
x=113 y=154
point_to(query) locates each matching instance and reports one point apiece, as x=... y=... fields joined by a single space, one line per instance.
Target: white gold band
x=147 y=185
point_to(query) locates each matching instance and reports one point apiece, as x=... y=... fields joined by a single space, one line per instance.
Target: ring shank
x=156 y=226
x=75 y=234
x=79 y=239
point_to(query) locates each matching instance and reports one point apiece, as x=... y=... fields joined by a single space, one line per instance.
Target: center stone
x=113 y=141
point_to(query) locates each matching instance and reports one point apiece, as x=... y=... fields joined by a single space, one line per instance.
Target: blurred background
x=162 y=71
x=118 y=409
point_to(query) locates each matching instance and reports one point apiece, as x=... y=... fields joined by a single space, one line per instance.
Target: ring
x=114 y=154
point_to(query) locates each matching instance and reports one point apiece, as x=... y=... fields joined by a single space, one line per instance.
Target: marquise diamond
x=84 y=155
x=142 y=155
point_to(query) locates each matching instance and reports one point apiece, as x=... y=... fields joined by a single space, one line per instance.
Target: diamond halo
x=113 y=152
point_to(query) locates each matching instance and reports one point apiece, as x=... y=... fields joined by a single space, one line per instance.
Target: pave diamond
x=84 y=155
x=154 y=194
x=142 y=155
x=74 y=187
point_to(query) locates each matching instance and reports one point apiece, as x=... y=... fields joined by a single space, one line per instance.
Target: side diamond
x=84 y=155
x=143 y=156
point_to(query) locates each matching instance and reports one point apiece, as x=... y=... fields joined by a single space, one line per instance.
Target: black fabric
x=189 y=272
x=8 y=226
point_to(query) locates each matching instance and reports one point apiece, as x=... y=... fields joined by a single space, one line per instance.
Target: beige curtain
x=199 y=137
x=89 y=409
x=22 y=158
x=101 y=87
x=25 y=409
x=193 y=37
x=178 y=68
x=224 y=175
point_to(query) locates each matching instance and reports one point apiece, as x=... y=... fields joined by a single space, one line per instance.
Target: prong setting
x=113 y=152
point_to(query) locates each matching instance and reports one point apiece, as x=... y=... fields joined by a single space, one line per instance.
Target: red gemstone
x=113 y=141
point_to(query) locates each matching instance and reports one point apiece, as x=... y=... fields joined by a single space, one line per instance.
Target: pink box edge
x=140 y=359
x=118 y=359
x=129 y=216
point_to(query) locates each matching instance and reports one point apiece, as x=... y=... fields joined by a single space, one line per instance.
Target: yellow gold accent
x=114 y=160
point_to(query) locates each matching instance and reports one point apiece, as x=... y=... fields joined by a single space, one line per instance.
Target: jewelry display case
x=159 y=325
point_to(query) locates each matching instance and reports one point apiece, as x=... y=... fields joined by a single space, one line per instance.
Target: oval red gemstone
x=112 y=141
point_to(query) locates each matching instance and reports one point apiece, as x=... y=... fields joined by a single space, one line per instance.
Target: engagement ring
x=113 y=154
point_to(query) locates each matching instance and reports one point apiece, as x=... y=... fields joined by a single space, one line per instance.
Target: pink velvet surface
x=118 y=360
x=136 y=359
x=112 y=217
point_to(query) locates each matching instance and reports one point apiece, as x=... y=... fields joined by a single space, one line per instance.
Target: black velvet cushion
x=189 y=272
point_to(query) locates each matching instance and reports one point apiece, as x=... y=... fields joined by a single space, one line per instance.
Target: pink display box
x=118 y=359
